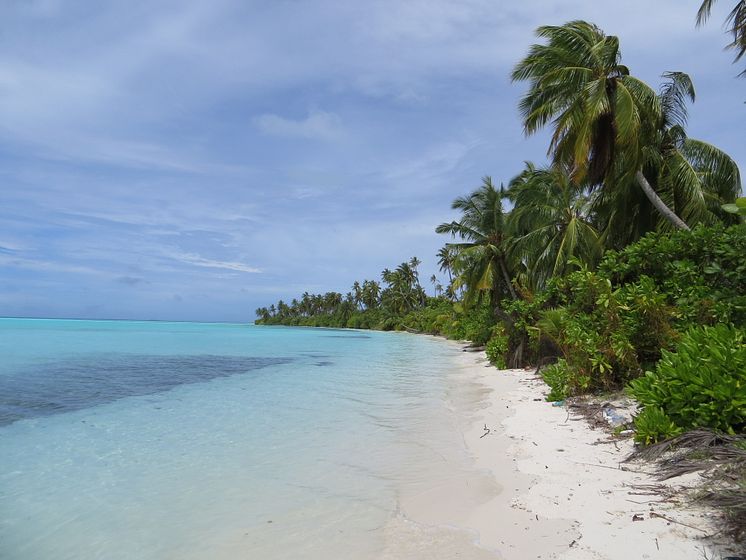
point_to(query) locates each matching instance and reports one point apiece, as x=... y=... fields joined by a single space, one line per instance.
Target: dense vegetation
x=621 y=262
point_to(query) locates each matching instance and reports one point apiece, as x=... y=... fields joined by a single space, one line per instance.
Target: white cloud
x=318 y=125
x=196 y=260
x=48 y=266
x=12 y=246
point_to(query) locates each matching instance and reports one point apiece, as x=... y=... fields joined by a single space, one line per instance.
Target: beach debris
x=720 y=460
x=638 y=517
x=669 y=520
x=558 y=403
x=615 y=413
x=486 y=432
x=612 y=416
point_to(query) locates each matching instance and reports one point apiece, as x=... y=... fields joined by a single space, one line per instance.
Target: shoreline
x=556 y=488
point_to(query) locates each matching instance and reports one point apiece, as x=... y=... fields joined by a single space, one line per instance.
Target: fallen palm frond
x=705 y=441
x=721 y=461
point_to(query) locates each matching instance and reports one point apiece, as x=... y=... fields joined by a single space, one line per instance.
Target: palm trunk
x=656 y=201
x=506 y=277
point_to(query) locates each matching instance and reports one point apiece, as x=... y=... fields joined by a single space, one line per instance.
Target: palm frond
x=703 y=14
x=675 y=91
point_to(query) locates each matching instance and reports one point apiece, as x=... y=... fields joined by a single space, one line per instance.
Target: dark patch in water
x=322 y=364
x=74 y=384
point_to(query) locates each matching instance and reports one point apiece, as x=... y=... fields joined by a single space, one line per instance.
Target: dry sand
x=546 y=485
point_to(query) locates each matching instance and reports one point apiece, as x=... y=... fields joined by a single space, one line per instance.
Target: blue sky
x=195 y=160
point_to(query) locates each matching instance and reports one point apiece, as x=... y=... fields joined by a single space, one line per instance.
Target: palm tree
x=262 y=313
x=600 y=112
x=403 y=292
x=371 y=293
x=445 y=261
x=550 y=223
x=736 y=22
x=437 y=288
x=696 y=177
x=693 y=177
x=357 y=292
x=481 y=255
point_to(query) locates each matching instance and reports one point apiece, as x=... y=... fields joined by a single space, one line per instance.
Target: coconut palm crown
x=550 y=223
x=609 y=127
x=481 y=261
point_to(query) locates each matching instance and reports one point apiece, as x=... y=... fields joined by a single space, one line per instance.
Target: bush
x=497 y=347
x=474 y=324
x=612 y=324
x=653 y=425
x=702 y=272
x=596 y=346
x=478 y=323
x=701 y=385
x=557 y=376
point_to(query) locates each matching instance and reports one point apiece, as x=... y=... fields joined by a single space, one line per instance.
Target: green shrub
x=647 y=319
x=594 y=349
x=702 y=272
x=701 y=385
x=557 y=376
x=478 y=323
x=497 y=347
x=611 y=324
x=653 y=425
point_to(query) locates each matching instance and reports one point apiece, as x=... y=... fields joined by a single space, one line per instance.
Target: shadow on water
x=75 y=384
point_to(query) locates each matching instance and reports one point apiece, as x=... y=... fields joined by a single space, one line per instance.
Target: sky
x=194 y=160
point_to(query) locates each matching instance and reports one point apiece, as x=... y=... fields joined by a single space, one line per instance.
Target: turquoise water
x=156 y=440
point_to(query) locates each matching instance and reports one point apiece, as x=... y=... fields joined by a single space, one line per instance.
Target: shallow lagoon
x=160 y=440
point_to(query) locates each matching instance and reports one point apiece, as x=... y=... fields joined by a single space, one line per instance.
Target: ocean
x=166 y=440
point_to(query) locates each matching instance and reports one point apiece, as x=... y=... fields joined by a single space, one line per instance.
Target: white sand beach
x=552 y=487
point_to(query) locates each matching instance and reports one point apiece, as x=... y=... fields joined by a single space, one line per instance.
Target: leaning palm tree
x=598 y=110
x=481 y=256
x=735 y=22
x=550 y=223
x=692 y=177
